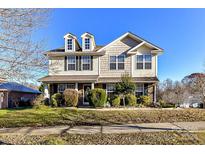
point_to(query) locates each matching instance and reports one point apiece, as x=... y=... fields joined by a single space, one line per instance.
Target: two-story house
x=88 y=66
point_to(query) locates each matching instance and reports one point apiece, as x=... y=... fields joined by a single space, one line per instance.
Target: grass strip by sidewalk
x=154 y=138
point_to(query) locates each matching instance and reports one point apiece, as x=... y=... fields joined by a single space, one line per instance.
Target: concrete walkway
x=126 y=128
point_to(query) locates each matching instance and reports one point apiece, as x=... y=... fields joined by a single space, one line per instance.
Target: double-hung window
x=86 y=62
x=62 y=87
x=78 y=63
x=70 y=86
x=148 y=61
x=113 y=62
x=121 y=62
x=139 y=61
x=70 y=44
x=143 y=62
x=139 y=89
x=87 y=43
x=117 y=62
x=71 y=63
x=110 y=89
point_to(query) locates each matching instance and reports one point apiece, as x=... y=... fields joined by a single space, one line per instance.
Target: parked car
x=184 y=105
x=196 y=105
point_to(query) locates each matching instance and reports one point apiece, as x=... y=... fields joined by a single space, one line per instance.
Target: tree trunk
x=123 y=100
x=204 y=102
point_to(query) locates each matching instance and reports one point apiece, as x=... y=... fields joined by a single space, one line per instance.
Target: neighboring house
x=13 y=95
x=92 y=66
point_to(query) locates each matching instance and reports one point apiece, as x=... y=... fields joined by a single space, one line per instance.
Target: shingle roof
x=92 y=78
x=62 y=49
x=90 y=53
x=61 y=52
x=135 y=79
x=13 y=86
x=69 y=78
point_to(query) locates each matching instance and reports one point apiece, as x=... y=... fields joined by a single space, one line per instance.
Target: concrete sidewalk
x=125 y=128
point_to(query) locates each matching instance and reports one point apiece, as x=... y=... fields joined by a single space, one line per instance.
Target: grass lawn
x=66 y=116
x=154 y=138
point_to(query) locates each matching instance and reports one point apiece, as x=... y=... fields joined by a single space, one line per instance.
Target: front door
x=86 y=89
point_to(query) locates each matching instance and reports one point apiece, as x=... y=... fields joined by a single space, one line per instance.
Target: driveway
x=126 y=128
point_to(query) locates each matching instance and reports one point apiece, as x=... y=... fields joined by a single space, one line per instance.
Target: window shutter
x=77 y=64
x=80 y=63
x=65 y=66
x=91 y=62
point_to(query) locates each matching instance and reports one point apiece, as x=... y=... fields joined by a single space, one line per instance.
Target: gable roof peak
x=134 y=36
x=87 y=33
x=70 y=35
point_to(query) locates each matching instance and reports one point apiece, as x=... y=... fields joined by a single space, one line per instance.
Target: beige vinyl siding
x=56 y=67
x=120 y=47
x=144 y=72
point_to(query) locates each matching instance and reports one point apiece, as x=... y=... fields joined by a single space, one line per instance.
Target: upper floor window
x=117 y=62
x=86 y=62
x=87 y=43
x=139 y=61
x=78 y=63
x=148 y=61
x=121 y=62
x=113 y=62
x=144 y=62
x=71 y=62
x=70 y=44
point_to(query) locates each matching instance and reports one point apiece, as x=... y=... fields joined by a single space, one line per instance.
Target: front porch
x=83 y=88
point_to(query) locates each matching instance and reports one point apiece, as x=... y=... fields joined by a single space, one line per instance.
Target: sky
x=180 y=32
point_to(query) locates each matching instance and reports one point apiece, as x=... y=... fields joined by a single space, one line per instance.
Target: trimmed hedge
x=130 y=100
x=145 y=101
x=97 y=97
x=71 y=97
x=56 y=99
x=115 y=101
x=163 y=104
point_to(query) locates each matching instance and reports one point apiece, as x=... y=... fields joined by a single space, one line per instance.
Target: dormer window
x=87 y=43
x=70 y=44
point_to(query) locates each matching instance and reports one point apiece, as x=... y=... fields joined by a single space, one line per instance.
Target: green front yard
x=68 y=116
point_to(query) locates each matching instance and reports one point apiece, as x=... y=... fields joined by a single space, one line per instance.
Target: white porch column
x=155 y=93
x=46 y=92
x=76 y=86
x=92 y=86
x=1 y=99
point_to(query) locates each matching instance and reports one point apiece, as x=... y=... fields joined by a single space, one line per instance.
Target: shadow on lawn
x=4 y=143
x=20 y=108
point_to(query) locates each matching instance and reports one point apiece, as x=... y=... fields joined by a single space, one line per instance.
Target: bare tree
x=167 y=91
x=171 y=92
x=195 y=83
x=21 y=57
x=179 y=92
